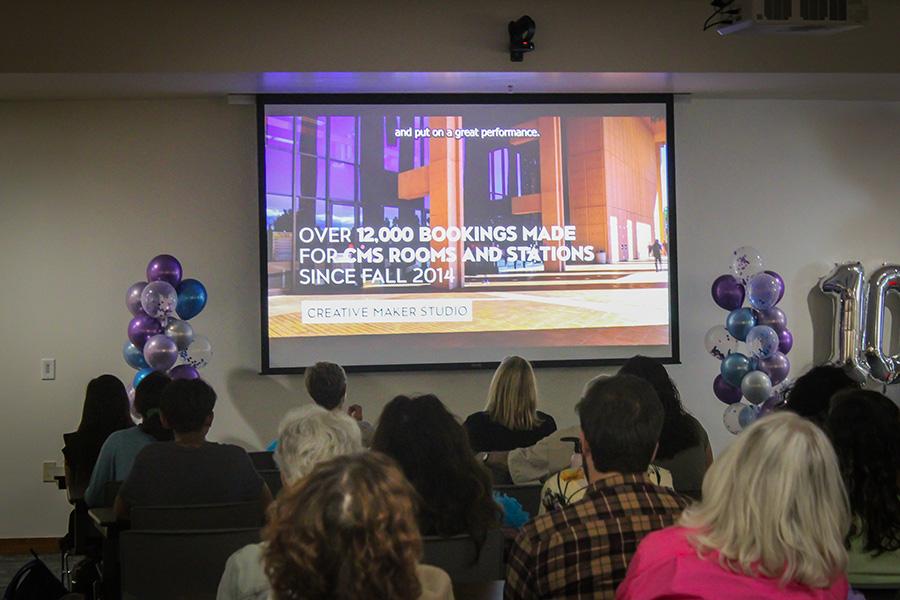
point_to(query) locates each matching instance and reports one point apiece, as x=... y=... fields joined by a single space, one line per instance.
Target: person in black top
x=511 y=419
x=105 y=411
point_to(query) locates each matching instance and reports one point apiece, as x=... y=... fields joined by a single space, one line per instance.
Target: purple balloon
x=184 y=372
x=164 y=267
x=141 y=328
x=728 y=292
x=776 y=367
x=785 y=341
x=780 y=284
x=133 y=297
x=726 y=392
x=774 y=318
x=160 y=352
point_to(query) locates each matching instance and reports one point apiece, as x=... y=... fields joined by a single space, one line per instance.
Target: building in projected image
x=604 y=175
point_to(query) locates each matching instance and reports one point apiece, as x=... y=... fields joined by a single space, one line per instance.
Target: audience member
x=811 y=393
x=684 y=448
x=347 y=531
x=191 y=470
x=433 y=450
x=307 y=436
x=120 y=449
x=510 y=419
x=771 y=524
x=865 y=430
x=105 y=411
x=582 y=550
x=326 y=384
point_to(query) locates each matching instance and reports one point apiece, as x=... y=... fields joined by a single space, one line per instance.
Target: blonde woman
x=771 y=524
x=511 y=419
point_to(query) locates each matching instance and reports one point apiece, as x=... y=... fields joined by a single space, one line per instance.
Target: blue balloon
x=734 y=367
x=739 y=323
x=191 y=299
x=747 y=415
x=139 y=377
x=763 y=341
x=134 y=356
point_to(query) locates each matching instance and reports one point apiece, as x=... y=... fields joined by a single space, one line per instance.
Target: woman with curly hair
x=684 y=448
x=348 y=531
x=865 y=430
x=433 y=450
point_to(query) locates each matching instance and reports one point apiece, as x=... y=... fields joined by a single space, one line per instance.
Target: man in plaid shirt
x=582 y=550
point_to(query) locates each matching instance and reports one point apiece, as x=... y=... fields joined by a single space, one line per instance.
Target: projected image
x=471 y=232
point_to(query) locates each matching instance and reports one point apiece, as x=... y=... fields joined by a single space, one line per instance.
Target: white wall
x=89 y=191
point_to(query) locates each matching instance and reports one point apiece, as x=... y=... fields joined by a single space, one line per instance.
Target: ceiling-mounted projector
x=793 y=16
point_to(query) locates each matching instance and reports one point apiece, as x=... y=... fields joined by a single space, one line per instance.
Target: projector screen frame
x=262 y=100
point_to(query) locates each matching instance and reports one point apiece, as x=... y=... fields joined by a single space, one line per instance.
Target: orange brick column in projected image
x=549 y=202
x=442 y=180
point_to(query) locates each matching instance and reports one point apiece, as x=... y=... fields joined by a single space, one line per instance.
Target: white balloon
x=746 y=262
x=198 y=354
x=719 y=343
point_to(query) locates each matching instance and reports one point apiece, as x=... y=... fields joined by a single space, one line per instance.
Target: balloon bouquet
x=758 y=373
x=159 y=333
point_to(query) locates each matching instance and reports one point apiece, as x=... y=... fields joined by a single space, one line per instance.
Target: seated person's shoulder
x=665 y=543
x=477 y=418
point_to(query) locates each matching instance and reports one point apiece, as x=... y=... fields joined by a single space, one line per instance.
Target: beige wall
x=271 y=36
x=91 y=190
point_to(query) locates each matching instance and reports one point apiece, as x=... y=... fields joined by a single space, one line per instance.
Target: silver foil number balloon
x=847 y=285
x=882 y=366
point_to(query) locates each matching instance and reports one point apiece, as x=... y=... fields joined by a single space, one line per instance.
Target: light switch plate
x=50 y=469
x=48 y=369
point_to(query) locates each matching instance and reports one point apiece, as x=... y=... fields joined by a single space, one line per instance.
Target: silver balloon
x=883 y=367
x=847 y=285
x=181 y=333
x=756 y=387
x=160 y=353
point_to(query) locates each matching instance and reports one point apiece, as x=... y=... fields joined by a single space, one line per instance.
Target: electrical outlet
x=50 y=470
x=48 y=369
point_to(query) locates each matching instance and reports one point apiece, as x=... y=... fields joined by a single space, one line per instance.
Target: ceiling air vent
x=795 y=16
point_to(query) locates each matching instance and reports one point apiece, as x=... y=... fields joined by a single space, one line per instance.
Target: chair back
x=528 y=495
x=177 y=565
x=459 y=557
x=272 y=477
x=263 y=461
x=236 y=515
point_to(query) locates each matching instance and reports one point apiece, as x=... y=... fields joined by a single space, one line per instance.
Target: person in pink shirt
x=771 y=524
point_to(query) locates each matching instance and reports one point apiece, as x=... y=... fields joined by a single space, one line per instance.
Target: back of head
x=147 y=399
x=105 y=407
x=811 y=393
x=774 y=504
x=678 y=430
x=621 y=418
x=187 y=404
x=433 y=450
x=310 y=435
x=326 y=384
x=512 y=398
x=345 y=531
x=865 y=429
